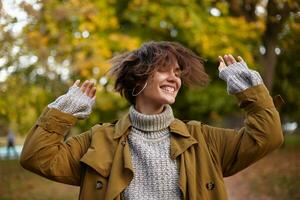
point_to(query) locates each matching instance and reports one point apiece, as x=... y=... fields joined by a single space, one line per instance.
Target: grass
x=17 y=183
x=292 y=142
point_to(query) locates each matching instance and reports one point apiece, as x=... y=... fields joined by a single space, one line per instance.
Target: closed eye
x=178 y=73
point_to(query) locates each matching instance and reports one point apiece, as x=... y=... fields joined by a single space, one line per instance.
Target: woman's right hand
x=78 y=101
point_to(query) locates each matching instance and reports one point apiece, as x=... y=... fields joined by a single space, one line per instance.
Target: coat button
x=210 y=185
x=99 y=185
x=123 y=143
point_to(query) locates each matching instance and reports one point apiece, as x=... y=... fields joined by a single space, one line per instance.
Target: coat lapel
x=99 y=155
x=109 y=155
x=122 y=169
x=181 y=140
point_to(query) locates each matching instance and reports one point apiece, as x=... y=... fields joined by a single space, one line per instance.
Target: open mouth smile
x=168 y=89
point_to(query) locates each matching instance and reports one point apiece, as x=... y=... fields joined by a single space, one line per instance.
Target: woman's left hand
x=237 y=74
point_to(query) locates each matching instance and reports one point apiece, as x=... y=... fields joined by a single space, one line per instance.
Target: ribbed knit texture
x=156 y=175
x=74 y=102
x=151 y=122
x=239 y=77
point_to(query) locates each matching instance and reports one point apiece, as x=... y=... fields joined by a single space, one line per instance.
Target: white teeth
x=168 y=89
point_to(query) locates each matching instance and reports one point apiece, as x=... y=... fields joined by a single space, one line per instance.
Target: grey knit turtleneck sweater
x=155 y=173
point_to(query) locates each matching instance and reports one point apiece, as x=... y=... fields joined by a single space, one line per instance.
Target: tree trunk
x=268 y=62
x=274 y=25
x=277 y=15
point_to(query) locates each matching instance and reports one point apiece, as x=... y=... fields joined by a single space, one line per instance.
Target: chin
x=169 y=101
x=165 y=99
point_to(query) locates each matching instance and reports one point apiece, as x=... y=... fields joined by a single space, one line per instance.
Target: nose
x=172 y=77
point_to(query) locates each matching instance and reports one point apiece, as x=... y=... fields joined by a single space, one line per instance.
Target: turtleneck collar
x=151 y=122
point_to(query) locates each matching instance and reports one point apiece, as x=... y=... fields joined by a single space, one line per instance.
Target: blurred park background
x=47 y=44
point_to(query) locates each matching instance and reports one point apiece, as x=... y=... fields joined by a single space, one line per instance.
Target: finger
x=227 y=59
x=240 y=58
x=222 y=64
x=84 y=85
x=76 y=83
x=92 y=92
x=232 y=59
x=221 y=59
x=89 y=87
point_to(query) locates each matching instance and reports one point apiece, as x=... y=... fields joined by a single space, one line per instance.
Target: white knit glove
x=74 y=102
x=239 y=77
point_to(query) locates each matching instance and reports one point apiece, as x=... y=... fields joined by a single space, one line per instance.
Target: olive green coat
x=99 y=160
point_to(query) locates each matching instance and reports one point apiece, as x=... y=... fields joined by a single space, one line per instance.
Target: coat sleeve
x=261 y=134
x=46 y=153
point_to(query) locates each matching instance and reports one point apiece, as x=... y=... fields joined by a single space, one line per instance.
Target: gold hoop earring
x=139 y=91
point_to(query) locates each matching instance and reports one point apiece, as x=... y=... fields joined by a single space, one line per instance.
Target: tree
x=275 y=17
x=66 y=40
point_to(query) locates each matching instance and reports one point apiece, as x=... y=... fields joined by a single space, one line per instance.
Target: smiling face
x=162 y=88
x=148 y=64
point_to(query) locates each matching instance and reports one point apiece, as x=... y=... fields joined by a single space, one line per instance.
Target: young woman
x=149 y=154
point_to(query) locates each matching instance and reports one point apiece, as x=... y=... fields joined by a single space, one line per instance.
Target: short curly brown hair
x=132 y=69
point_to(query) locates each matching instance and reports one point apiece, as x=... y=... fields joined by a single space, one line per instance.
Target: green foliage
x=287 y=76
x=75 y=39
x=205 y=104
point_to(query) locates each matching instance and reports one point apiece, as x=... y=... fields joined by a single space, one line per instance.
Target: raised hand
x=237 y=74
x=78 y=101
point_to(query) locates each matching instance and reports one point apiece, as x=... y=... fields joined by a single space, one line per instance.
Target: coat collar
x=177 y=126
x=122 y=126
